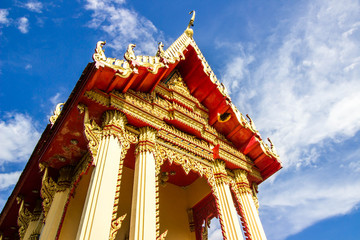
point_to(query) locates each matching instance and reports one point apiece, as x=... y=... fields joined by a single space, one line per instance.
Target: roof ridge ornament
x=189 y=32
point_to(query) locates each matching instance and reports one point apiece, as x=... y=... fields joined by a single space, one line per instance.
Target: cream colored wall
x=197 y=191
x=125 y=202
x=74 y=210
x=173 y=215
x=174 y=202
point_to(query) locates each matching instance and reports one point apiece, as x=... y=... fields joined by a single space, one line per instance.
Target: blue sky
x=292 y=65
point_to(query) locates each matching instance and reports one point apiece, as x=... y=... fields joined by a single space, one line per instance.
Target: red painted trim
x=128 y=84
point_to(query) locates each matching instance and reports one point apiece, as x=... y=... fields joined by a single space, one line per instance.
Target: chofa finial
x=188 y=30
x=191 y=23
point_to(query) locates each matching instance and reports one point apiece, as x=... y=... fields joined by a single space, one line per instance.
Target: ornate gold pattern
x=115 y=226
x=220 y=174
x=65 y=178
x=152 y=109
x=48 y=189
x=241 y=181
x=157 y=198
x=125 y=68
x=165 y=151
x=24 y=217
x=91 y=129
x=254 y=195
x=56 y=113
x=147 y=140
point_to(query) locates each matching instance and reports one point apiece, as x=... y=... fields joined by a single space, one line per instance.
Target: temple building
x=149 y=147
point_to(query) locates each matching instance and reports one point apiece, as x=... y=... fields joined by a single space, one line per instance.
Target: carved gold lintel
x=165 y=151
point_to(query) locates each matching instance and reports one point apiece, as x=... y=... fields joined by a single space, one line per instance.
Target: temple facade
x=148 y=147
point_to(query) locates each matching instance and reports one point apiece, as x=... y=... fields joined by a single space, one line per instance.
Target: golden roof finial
x=188 y=30
x=191 y=23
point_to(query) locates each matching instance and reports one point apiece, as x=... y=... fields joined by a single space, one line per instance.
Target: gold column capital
x=220 y=174
x=241 y=180
x=147 y=140
x=241 y=176
x=114 y=118
x=65 y=178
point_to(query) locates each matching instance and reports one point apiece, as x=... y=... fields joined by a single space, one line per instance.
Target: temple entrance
x=178 y=194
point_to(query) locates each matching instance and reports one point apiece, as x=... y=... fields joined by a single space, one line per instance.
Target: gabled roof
x=185 y=55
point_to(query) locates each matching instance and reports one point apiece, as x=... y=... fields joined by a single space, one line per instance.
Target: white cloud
x=55 y=99
x=307 y=197
x=8 y=179
x=302 y=90
x=18 y=137
x=23 y=25
x=214 y=232
x=123 y=26
x=4 y=20
x=33 y=5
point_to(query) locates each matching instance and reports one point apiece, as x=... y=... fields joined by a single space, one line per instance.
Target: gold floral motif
x=99 y=97
x=24 y=217
x=115 y=226
x=56 y=113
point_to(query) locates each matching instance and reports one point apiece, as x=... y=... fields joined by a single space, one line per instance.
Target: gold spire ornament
x=189 y=32
x=56 y=113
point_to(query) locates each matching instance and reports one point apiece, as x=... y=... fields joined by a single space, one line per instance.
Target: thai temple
x=144 y=148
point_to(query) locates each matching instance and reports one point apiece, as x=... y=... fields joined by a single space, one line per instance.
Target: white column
x=61 y=193
x=230 y=224
x=97 y=212
x=246 y=202
x=143 y=209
